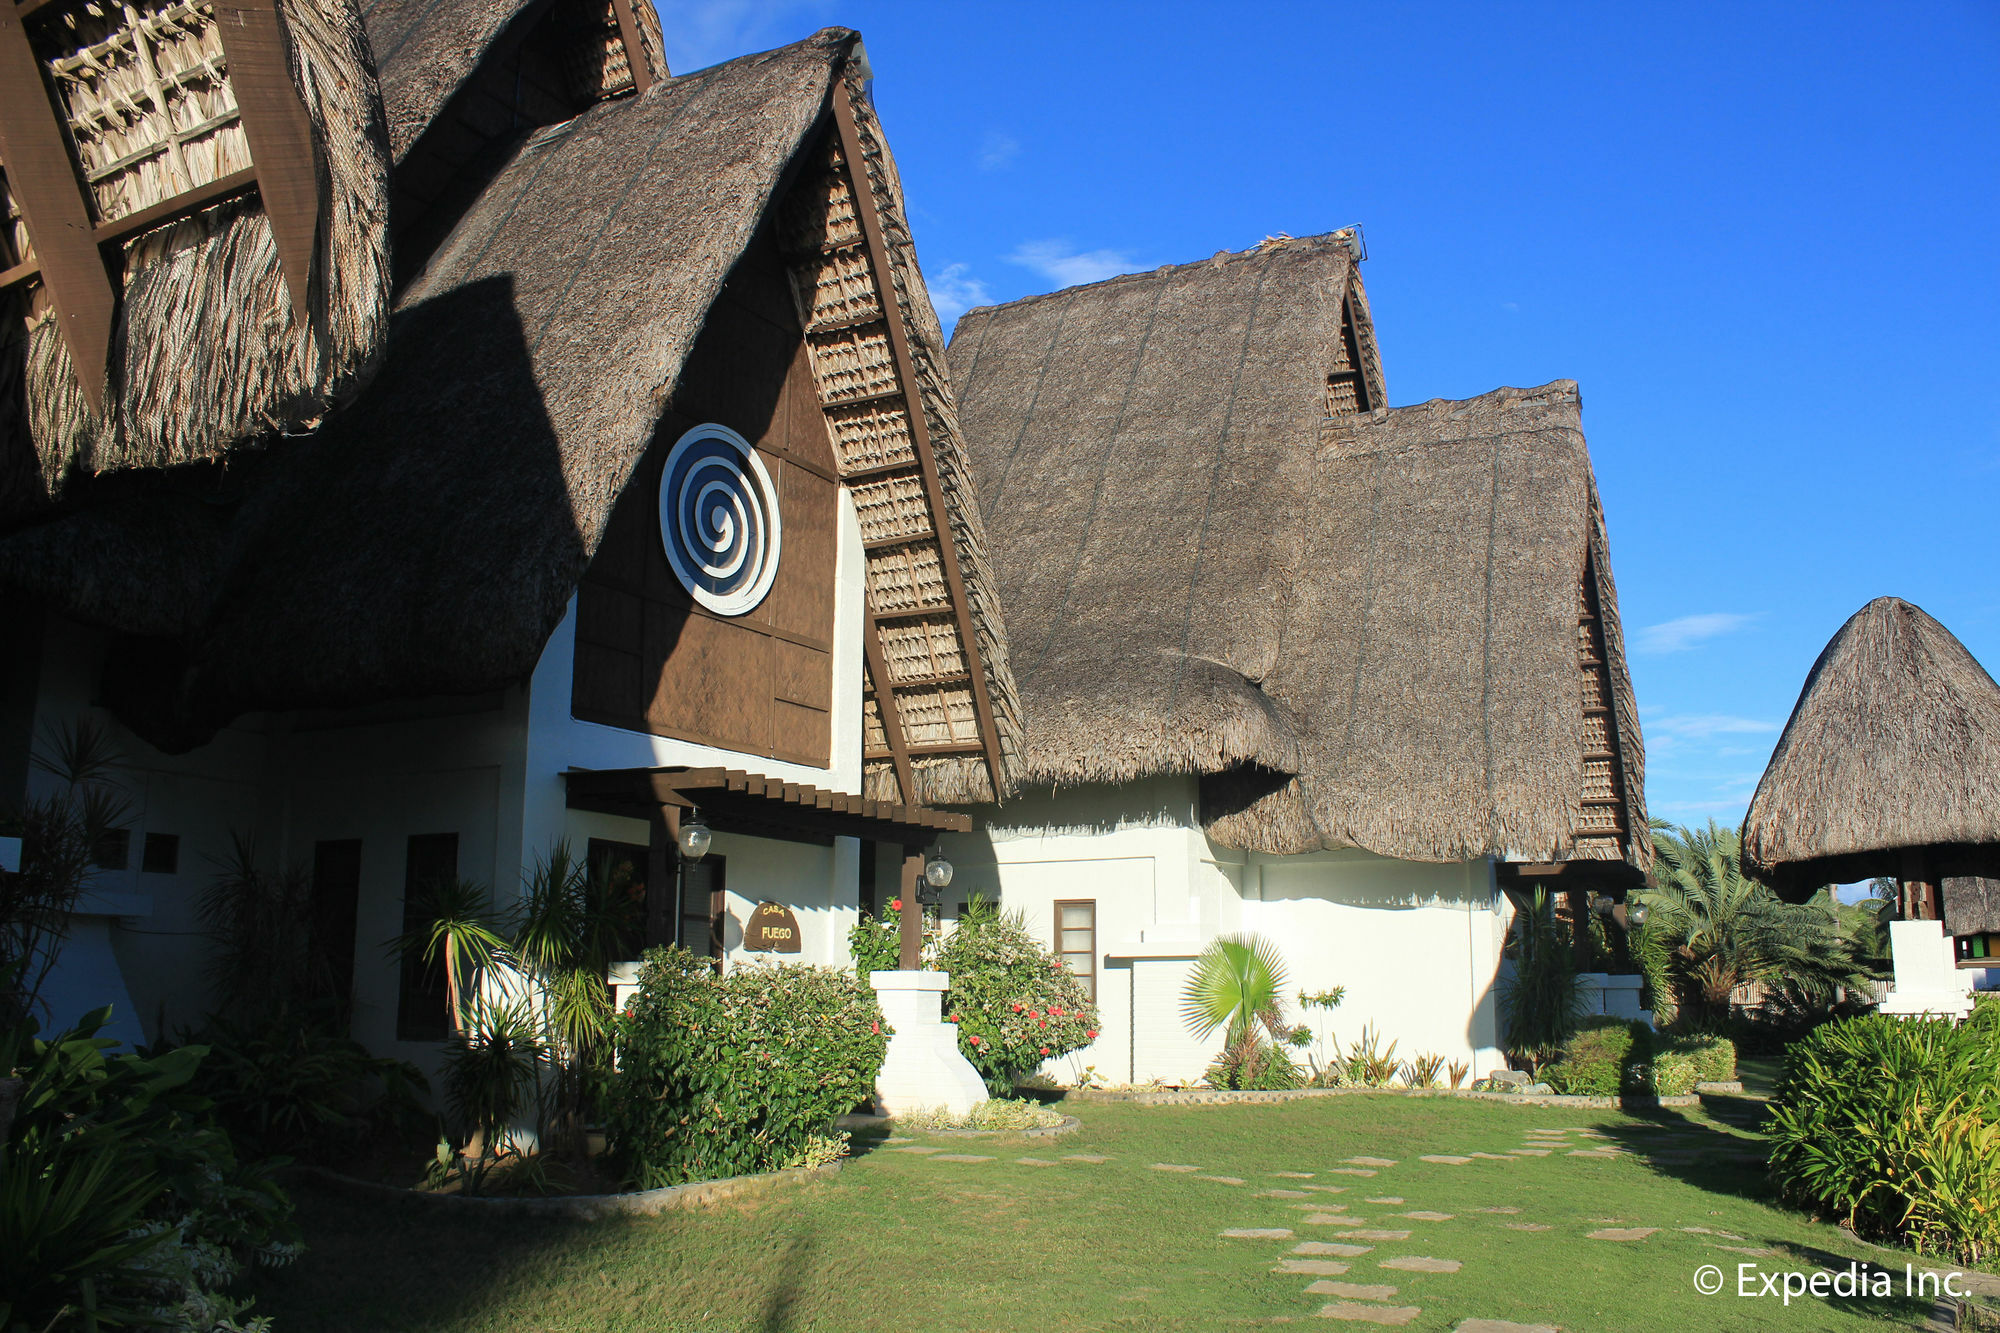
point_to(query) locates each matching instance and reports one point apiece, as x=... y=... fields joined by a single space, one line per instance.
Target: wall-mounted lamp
x=694 y=837
x=937 y=878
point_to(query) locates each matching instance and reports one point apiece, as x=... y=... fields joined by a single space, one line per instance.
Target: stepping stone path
x=1292 y=1175
x=1171 y=1166
x=1705 y=1231
x=1357 y=1291
x=1446 y=1159
x=1754 y=1251
x=1501 y=1326
x=1257 y=1233
x=1327 y=1189
x=1386 y=1198
x=1311 y=1267
x=919 y=1150
x=1224 y=1180
x=1092 y=1158
x=1504 y=1208
x=960 y=1157
x=1369 y=1161
x=1378 y=1235
x=1317 y=1247
x=1525 y=1226
x=1279 y=1194
x=1422 y=1216
x=1418 y=1263
x=1032 y=1161
x=1350 y=1171
x=1621 y=1233
x=1601 y=1154
x=1331 y=1220
x=1528 y=1152
x=1492 y=1156
x=1369 y=1314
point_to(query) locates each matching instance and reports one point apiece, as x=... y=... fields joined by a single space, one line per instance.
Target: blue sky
x=1759 y=237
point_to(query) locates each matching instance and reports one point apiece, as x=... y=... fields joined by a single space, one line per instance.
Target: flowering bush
x=1014 y=1003
x=726 y=1076
x=877 y=942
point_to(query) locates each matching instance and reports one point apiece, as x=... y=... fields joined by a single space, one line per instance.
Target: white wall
x=1415 y=944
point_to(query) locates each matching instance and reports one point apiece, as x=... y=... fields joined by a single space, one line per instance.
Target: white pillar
x=924 y=1070
x=1927 y=977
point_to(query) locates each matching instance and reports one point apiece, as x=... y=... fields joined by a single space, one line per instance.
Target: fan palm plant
x=455 y=922
x=1236 y=985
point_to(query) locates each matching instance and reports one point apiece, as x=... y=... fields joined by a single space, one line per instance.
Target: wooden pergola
x=736 y=801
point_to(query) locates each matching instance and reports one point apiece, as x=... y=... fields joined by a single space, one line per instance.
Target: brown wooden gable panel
x=647 y=657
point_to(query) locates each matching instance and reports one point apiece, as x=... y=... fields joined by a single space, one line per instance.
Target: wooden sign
x=772 y=929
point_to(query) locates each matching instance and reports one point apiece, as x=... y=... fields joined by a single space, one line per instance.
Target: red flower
x=875 y=1028
x=1093 y=1034
x=1017 y=1006
x=973 y=1040
x=895 y=904
x=1045 y=1050
x=1034 y=1013
x=1042 y=1023
x=1055 y=1011
x=954 y=1018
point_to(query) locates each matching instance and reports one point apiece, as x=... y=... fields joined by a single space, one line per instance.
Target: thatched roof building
x=1222 y=555
x=427 y=538
x=193 y=232
x=1893 y=747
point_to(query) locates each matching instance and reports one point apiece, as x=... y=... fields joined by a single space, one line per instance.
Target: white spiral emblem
x=719 y=520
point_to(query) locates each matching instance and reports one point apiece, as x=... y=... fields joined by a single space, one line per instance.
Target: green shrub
x=280 y=1084
x=1541 y=1000
x=1605 y=1057
x=1261 y=1067
x=1880 y=1120
x=877 y=941
x=1015 y=1004
x=1683 y=1062
x=727 y=1076
x=996 y=1113
x=120 y=1195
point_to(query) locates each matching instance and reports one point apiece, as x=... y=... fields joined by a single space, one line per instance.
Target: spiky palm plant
x=1543 y=999
x=1722 y=929
x=1236 y=985
x=456 y=922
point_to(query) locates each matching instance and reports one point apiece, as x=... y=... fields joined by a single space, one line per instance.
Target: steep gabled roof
x=1369 y=628
x=427 y=538
x=1894 y=744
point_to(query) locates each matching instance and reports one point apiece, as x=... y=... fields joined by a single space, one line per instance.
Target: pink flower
x=875 y=1028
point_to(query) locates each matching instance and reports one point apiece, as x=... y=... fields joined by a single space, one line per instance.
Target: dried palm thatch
x=1361 y=631
x=428 y=538
x=1893 y=745
x=206 y=351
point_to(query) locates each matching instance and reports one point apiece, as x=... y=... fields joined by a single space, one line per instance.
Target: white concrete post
x=924 y=1069
x=1927 y=977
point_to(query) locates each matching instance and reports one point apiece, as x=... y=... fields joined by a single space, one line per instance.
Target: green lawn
x=1115 y=1244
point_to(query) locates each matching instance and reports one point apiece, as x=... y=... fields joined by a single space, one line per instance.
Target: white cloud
x=954 y=291
x=1059 y=262
x=1677 y=636
x=1704 y=726
x=997 y=150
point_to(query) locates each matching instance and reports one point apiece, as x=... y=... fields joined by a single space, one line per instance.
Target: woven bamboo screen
x=1601 y=830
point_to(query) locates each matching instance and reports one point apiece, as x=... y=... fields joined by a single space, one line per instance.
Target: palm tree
x=1721 y=929
x=1236 y=986
x=456 y=921
x=1543 y=999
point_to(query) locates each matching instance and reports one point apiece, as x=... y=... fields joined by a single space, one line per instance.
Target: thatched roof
x=1894 y=744
x=427 y=539
x=1363 y=629
x=207 y=350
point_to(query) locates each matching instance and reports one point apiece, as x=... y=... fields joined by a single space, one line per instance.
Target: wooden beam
x=911 y=953
x=899 y=345
x=21 y=272
x=635 y=54
x=279 y=133
x=181 y=205
x=44 y=184
x=885 y=704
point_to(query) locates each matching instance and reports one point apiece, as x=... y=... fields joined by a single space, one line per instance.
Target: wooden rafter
x=876 y=243
x=885 y=704
x=279 y=134
x=635 y=54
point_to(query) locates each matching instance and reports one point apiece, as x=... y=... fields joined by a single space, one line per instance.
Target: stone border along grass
x=856 y=1123
x=1216 y=1097
x=582 y=1207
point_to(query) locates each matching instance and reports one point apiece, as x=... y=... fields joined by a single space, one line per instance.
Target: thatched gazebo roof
x=1386 y=629
x=1893 y=747
x=426 y=539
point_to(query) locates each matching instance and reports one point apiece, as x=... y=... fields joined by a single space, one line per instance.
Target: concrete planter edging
x=1217 y=1097
x=583 y=1207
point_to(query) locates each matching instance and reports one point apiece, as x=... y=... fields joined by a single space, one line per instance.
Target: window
x=161 y=854
x=113 y=850
x=1076 y=941
x=430 y=862
x=621 y=868
x=336 y=896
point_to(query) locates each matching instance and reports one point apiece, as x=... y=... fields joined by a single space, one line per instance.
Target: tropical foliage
x=1603 y=1058
x=1542 y=999
x=1717 y=929
x=732 y=1075
x=1237 y=985
x=1894 y=1126
x=876 y=942
x=1013 y=1002
x=121 y=1201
